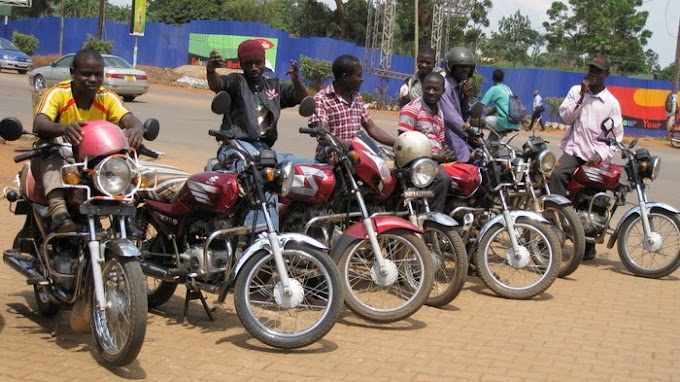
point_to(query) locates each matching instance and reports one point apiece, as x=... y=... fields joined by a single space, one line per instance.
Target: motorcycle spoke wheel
x=295 y=321
x=449 y=261
x=519 y=276
x=158 y=291
x=569 y=231
x=391 y=297
x=655 y=260
x=119 y=327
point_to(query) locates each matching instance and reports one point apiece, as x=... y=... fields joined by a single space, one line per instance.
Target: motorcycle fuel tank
x=216 y=192
x=603 y=176
x=313 y=183
x=465 y=178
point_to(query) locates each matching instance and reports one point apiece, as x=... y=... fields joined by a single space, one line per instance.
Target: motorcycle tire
x=158 y=292
x=493 y=259
x=399 y=294
x=449 y=261
x=119 y=327
x=46 y=307
x=289 y=322
x=675 y=139
x=570 y=234
x=650 y=264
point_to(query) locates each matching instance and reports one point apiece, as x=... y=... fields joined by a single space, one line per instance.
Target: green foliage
x=516 y=28
x=667 y=73
x=27 y=43
x=478 y=81
x=178 y=12
x=103 y=47
x=316 y=72
x=553 y=104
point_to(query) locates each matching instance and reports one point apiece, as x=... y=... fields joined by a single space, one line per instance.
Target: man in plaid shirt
x=340 y=107
x=424 y=115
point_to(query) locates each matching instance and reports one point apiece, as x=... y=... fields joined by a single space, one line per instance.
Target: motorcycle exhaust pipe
x=21 y=263
x=157 y=272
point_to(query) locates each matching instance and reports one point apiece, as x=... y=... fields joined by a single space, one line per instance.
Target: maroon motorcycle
x=648 y=234
x=385 y=266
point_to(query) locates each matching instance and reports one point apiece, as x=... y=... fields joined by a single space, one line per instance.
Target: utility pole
x=415 y=43
x=670 y=126
x=100 y=24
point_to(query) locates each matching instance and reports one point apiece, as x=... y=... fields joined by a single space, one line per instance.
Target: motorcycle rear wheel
x=411 y=271
x=158 y=292
x=119 y=327
x=289 y=322
x=450 y=263
x=675 y=139
x=650 y=264
x=519 y=282
x=570 y=233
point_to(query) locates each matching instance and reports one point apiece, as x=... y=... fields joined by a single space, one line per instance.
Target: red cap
x=250 y=50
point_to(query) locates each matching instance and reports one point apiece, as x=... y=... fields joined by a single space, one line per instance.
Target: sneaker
x=62 y=223
x=590 y=252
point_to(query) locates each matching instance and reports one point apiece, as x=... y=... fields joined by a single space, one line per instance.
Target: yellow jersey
x=59 y=105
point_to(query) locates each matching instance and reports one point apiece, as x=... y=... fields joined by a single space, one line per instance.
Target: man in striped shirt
x=424 y=115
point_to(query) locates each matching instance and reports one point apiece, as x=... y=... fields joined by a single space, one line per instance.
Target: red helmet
x=101 y=138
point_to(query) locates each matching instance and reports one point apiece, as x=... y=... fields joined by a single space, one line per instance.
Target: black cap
x=600 y=63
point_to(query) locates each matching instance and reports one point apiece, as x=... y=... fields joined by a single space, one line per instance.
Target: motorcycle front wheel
x=660 y=256
x=289 y=321
x=449 y=261
x=524 y=275
x=398 y=293
x=119 y=327
x=569 y=231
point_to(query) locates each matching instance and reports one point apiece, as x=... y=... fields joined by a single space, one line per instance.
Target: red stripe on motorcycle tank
x=381 y=224
x=215 y=192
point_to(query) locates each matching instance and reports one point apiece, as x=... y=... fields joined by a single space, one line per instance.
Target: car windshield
x=116 y=62
x=6 y=44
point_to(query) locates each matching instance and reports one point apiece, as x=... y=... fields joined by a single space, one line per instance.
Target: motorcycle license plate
x=414 y=194
x=103 y=210
x=129 y=78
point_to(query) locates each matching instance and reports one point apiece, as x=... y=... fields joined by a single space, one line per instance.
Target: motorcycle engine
x=64 y=262
x=218 y=253
x=593 y=223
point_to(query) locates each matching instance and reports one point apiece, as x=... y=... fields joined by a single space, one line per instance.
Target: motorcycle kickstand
x=194 y=293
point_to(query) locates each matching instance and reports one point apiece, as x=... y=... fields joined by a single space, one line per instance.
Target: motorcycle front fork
x=96 y=261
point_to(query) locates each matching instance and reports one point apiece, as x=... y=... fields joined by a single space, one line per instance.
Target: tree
x=667 y=73
x=513 y=39
x=615 y=29
x=179 y=12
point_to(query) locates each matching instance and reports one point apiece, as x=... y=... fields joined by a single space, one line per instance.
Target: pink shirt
x=586 y=119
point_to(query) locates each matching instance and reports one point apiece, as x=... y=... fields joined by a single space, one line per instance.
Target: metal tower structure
x=378 y=48
x=442 y=12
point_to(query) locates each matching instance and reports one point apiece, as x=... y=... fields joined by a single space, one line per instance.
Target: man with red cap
x=256 y=100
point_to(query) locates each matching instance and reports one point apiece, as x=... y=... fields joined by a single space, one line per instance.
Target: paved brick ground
x=600 y=324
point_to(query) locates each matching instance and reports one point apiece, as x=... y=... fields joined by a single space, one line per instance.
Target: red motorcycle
x=385 y=266
x=94 y=270
x=199 y=233
x=648 y=234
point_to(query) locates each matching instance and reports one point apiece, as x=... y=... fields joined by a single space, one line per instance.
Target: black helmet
x=459 y=56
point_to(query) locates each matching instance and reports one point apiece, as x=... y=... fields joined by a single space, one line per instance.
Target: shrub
x=553 y=104
x=27 y=43
x=316 y=72
x=103 y=47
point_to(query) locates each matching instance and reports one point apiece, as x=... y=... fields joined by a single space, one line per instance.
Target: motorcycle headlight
x=113 y=175
x=546 y=161
x=423 y=172
x=650 y=168
x=285 y=175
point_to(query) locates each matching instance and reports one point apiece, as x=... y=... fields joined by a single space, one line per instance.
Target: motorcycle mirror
x=607 y=125
x=633 y=143
x=221 y=103
x=307 y=107
x=151 y=129
x=11 y=129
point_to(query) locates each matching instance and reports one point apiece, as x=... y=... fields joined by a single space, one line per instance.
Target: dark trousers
x=536 y=115
x=563 y=172
x=440 y=186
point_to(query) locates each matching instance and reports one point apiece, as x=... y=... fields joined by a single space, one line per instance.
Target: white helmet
x=410 y=146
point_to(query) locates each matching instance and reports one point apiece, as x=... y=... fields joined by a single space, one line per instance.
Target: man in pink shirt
x=585 y=108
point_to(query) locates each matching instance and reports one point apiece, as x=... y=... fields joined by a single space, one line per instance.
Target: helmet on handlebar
x=459 y=55
x=410 y=146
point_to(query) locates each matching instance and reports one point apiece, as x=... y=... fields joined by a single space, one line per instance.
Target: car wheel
x=38 y=82
x=128 y=98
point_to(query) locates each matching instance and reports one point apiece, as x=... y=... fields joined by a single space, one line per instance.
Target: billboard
x=642 y=108
x=200 y=46
x=138 y=17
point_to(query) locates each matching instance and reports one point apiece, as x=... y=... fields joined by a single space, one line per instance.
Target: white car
x=119 y=76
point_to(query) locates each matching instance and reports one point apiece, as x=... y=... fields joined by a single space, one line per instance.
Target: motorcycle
x=647 y=235
x=287 y=291
x=515 y=252
x=94 y=269
x=533 y=193
x=385 y=266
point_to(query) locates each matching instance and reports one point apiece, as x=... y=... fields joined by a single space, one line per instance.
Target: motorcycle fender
x=498 y=219
x=122 y=248
x=285 y=240
x=357 y=231
x=636 y=211
x=555 y=199
x=437 y=217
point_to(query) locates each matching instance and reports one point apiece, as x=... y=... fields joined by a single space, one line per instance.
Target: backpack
x=516 y=110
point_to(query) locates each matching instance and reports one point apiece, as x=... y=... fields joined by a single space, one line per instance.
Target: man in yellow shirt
x=62 y=111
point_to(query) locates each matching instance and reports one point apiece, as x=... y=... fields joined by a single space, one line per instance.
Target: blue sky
x=663 y=19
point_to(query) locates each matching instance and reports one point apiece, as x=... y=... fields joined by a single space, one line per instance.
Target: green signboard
x=200 y=46
x=5 y=10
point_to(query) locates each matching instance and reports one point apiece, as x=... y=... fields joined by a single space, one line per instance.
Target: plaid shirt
x=417 y=116
x=344 y=119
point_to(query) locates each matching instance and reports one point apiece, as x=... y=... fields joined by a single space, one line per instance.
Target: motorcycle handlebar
x=221 y=135
x=309 y=130
x=27 y=155
x=143 y=150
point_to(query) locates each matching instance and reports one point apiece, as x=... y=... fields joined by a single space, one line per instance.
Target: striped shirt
x=344 y=119
x=417 y=116
x=59 y=105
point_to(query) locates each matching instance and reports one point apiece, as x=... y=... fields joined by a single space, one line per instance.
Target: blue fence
x=167 y=46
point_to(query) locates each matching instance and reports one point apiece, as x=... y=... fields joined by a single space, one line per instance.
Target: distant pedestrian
x=538 y=110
